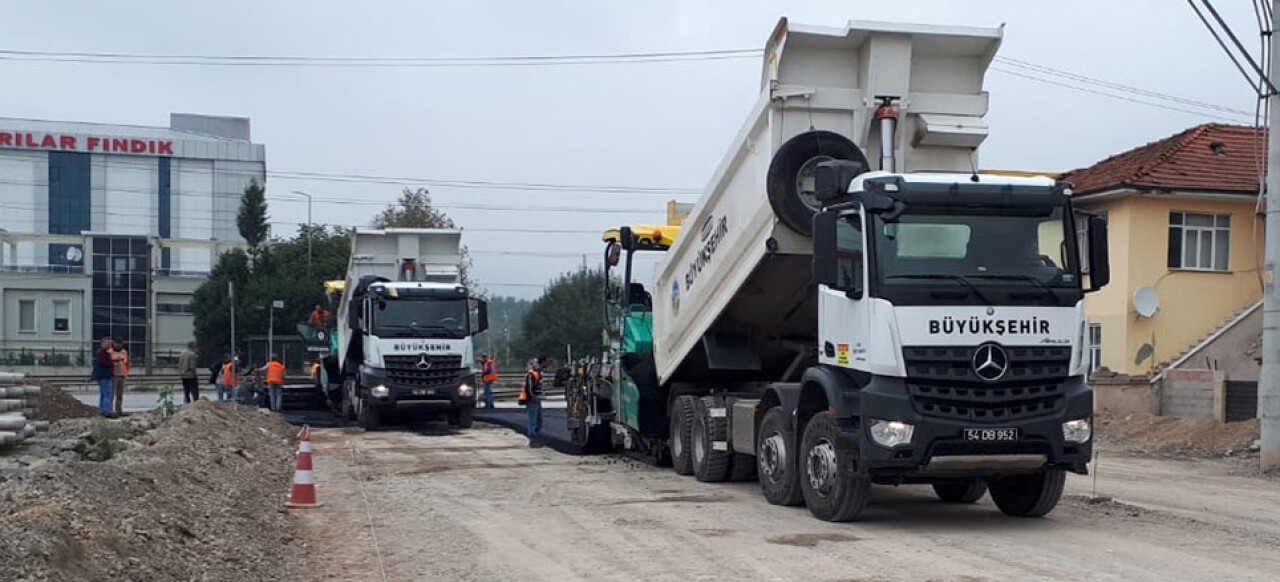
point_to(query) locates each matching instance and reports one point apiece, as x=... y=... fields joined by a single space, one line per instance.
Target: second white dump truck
x=850 y=303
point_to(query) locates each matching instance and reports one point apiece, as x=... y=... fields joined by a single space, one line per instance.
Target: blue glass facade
x=68 y=193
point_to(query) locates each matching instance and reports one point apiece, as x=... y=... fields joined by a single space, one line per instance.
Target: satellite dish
x=1144 y=352
x=1146 y=302
x=74 y=254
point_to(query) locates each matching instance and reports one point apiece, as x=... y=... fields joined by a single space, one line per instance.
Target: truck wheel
x=681 y=434
x=1029 y=495
x=963 y=491
x=790 y=178
x=831 y=494
x=461 y=417
x=368 y=417
x=775 y=456
x=710 y=465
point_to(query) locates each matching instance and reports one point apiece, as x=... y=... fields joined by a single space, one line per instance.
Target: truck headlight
x=1077 y=431
x=891 y=433
x=381 y=391
x=465 y=389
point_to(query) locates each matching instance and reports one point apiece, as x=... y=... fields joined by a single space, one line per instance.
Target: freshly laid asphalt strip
x=555 y=433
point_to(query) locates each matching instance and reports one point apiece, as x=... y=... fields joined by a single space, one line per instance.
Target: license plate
x=991 y=434
x=423 y=391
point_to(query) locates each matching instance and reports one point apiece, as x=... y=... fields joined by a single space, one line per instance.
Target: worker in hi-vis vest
x=274 y=371
x=531 y=397
x=488 y=375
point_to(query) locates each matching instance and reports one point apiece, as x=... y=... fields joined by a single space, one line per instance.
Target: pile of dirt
x=1178 y=436
x=54 y=404
x=193 y=497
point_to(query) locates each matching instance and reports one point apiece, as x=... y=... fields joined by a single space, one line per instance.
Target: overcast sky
x=664 y=124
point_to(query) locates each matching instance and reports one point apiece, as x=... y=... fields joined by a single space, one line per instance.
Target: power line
x=1114 y=96
x=320 y=61
x=1042 y=69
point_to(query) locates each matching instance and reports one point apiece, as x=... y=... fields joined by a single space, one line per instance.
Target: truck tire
x=710 y=464
x=742 y=468
x=368 y=417
x=831 y=494
x=776 y=459
x=682 y=435
x=461 y=417
x=801 y=154
x=960 y=491
x=1029 y=495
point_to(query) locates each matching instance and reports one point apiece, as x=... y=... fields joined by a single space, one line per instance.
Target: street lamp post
x=309 y=224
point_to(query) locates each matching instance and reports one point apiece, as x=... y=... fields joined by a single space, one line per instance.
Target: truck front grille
x=941 y=383
x=405 y=370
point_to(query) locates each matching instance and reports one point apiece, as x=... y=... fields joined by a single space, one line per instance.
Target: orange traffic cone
x=304 y=485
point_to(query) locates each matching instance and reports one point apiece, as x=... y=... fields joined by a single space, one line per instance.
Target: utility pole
x=1269 y=387
x=309 y=225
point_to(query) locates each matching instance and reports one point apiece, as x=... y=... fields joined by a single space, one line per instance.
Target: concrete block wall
x=1194 y=394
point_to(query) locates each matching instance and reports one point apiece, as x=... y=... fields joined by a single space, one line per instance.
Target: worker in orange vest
x=274 y=371
x=119 y=357
x=320 y=317
x=228 y=378
x=531 y=397
x=488 y=375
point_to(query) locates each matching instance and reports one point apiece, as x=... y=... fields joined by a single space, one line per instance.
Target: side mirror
x=627 y=237
x=613 y=254
x=1099 y=267
x=353 y=316
x=482 y=316
x=824 y=246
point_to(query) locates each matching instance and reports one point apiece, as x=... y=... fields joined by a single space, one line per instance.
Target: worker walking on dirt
x=488 y=375
x=227 y=382
x=187 y=372
x=274 y=371
x=104 y=374
x=531 y=397
x=120 y=357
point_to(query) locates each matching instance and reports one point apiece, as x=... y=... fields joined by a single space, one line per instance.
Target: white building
x=107 y=230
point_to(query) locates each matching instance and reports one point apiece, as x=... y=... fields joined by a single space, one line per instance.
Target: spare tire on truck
x=791 y=173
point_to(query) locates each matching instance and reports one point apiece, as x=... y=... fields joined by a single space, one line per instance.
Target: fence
x=166 y=356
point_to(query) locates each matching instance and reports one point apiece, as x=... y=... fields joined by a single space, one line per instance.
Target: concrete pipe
x=9 y=378
x=28 y=431
x=9 y=404
x=12 y=422
x=9 y=438
x=40 y=424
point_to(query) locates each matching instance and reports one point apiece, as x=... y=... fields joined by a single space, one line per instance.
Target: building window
x=1095 y=347
x=26 y=316
x=1200 y=242
x=173 y=308
x=61 y=316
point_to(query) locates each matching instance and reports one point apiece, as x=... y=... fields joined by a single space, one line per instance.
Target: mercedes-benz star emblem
x=424 y=362
x=990 y=362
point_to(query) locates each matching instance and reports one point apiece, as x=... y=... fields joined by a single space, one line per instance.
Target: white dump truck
x=403 y=329
x=851 y=303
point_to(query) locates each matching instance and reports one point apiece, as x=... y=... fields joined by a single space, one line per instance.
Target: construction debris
x=196 y=496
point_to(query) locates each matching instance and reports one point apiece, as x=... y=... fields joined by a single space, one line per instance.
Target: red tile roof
x=1213 y=157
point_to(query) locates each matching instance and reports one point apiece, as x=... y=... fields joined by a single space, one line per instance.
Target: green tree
x=252 y=219
x=279 y=273
x=569 y=313
x=503 y=338
x=414 y=209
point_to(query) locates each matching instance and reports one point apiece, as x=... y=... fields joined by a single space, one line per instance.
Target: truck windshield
x=974 y=247
x=439 y=318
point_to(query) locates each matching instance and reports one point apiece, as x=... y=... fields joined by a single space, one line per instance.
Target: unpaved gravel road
x=480 y=505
